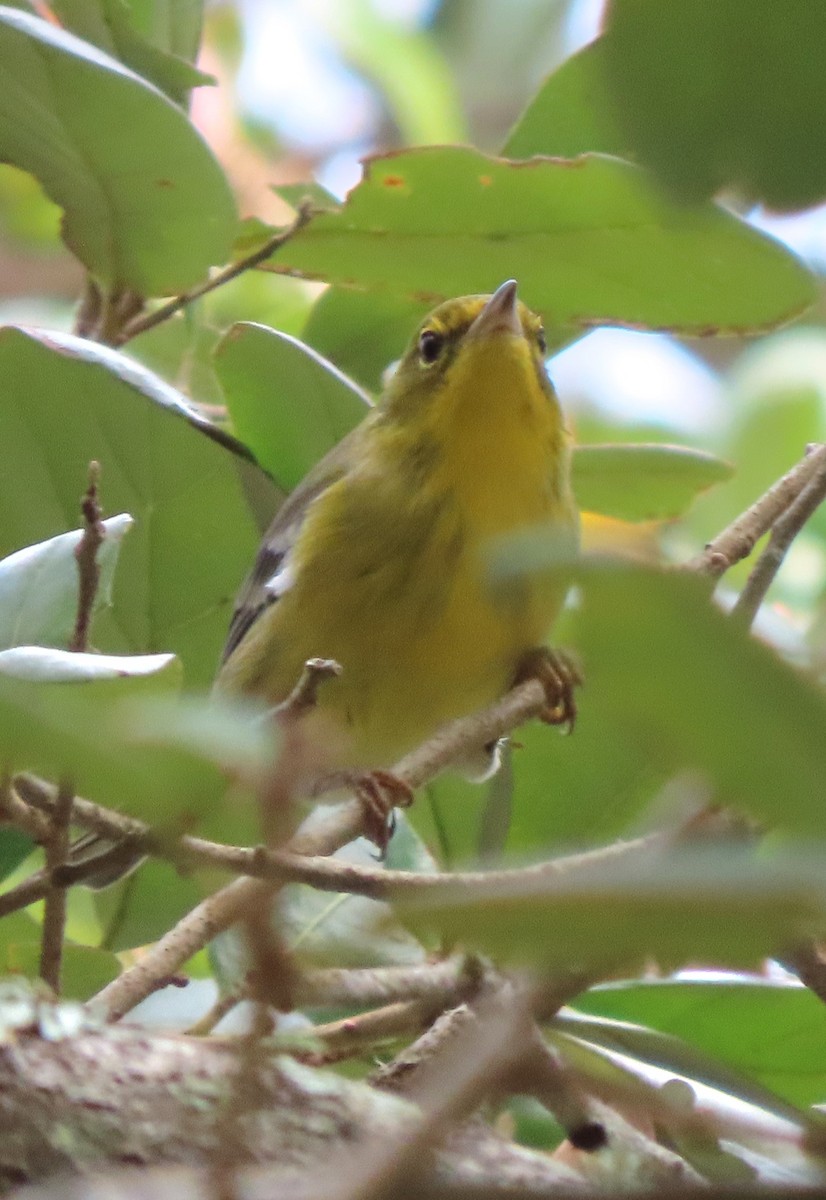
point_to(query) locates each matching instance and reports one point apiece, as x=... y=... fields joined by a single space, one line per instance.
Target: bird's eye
x=430 y=346
x=541 y=341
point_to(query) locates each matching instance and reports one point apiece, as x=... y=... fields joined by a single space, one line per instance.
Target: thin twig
x=54 y=917
x=538 y=1071
x=438 y=983
x=319 y=871
x=785 y=529
x=16 y=812
x=141 y=324
x=446 y=1089
x=29 y=891
x=204 y=922
x=86 y=553
x=349 y=1036
x=740 y=537
x=541 y=1073
x=304 y=695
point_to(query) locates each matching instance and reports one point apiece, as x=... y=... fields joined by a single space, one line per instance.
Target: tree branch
x=740 y=537
x=785 y=529
x=54 y=917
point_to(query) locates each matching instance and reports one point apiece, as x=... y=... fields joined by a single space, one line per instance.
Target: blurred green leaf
x=143 y=907
x=151 y=211
x=294 y=194
x=237 y=734
x=577 y=790
x=643 y=482
x=82 y=726
x=171 y=25
x=570 y=114
x=688 y=686
x=717 y=905
x=725 y=94
x=534 y=1125
x=362 y=332
x=619 y=1054
x=773 y=1032
x=39 y=586
x=180 y=351
x=15 y=847
x=588 y=240
x=85 y=970
x=776 y=398
x=57 y=717
x=287 y=403
x=407 y=66
x=110 y=25
x=188 y=486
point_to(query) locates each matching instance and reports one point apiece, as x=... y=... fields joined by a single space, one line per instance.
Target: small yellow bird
x=381 y=558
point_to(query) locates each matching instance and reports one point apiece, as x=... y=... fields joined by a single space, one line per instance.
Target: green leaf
x=61 y=720
x=774 y=1032
x=725 y=94
x=294 y=194
x=143 y=907
x=570 y=114
x=172 y=25
x=691 y=689
x=15 y=847
x=110 y=25
x=39 y=586
x=362 y=332
x=615 y=1056
x=643 y=482
x=85 y=970
x=587 y=239
x=237 y=734
x=713 y=905
x=188 y=486
x=151 y=210
x=287 y=403
x=56 y=709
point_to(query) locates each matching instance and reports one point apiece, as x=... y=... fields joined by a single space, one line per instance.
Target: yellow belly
x=421 y=638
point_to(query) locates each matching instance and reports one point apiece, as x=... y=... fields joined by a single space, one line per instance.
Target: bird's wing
x=269 y=576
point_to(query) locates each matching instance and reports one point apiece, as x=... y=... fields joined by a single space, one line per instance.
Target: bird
x=383 y=558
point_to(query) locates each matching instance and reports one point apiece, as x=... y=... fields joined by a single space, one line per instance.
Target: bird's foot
x=379 y=793
x=560 y=675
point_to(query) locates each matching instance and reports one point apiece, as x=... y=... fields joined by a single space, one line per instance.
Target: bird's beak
x=500 y=314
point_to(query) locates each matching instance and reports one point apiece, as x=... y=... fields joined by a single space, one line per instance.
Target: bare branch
x=304 y=695
x=785 y=529
x=16 y=812
x=86 y=553
x=739 y=538
x=54 y=917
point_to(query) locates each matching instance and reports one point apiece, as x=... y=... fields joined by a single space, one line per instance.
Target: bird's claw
x=560 y=675
x=380 y=792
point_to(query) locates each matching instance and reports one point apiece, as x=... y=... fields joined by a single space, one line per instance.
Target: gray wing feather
x=255 y=596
